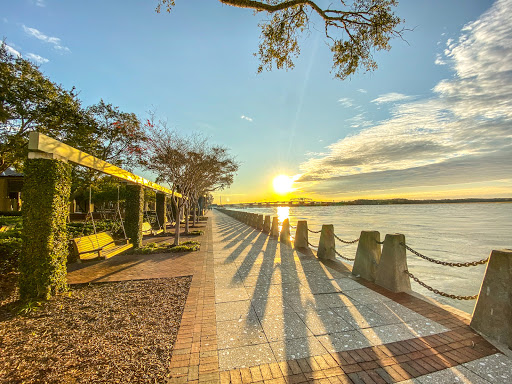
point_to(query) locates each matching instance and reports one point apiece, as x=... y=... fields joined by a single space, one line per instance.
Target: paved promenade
x=259 y=311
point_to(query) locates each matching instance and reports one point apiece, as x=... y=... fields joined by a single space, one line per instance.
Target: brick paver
x=231 y=289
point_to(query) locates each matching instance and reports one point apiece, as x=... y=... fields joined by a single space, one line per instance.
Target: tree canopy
x=30 y=101
x=353 y=28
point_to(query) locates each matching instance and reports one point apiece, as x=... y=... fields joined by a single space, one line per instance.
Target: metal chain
x=379 y=242
x=314 y=231
x=343 y=257
x=293 y=226
x=466 y=264
x=311 y=245
x=346 y=242
x=438 y=292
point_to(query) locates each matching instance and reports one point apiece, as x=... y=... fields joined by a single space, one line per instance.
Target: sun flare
x=283 y=184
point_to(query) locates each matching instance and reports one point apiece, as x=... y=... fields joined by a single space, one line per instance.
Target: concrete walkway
x=259 y=311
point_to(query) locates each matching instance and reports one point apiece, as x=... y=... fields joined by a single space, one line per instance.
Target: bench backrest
x=146 y=227
x=92 y=242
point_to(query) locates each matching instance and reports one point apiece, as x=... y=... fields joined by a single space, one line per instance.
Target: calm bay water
x=449 y=232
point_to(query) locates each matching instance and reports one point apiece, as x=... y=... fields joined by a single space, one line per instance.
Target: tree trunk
x=187 y=215
x=177 y=225
x=194 y=215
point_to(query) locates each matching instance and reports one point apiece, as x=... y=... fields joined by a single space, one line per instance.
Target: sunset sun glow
x=282 y=184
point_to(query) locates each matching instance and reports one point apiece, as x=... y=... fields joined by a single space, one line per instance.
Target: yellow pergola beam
x=39 y=144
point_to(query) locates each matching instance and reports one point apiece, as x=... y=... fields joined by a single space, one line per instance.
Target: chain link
x=343 y=257
x=346 y=242
x=466 y=264
x=438 y=292
x=311 y=245
x=293 y=226
x=379 y=242
x=314 y=231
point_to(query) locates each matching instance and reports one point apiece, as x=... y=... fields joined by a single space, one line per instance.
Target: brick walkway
x=258 y=311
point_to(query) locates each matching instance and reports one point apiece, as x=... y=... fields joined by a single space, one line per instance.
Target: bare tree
x=188 y=164
x=353 y=28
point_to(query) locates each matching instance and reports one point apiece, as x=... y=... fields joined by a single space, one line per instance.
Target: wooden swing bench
x=147 y=229
x=98 y=246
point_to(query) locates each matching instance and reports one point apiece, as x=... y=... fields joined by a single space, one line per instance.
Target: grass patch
x=195 y=233
x=186 y=246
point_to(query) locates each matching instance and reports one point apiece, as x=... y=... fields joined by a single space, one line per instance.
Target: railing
x=385 y=264
x=327 y=248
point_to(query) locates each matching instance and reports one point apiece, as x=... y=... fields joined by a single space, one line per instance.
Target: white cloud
x=12 y=51
x=246 y=118
x=55 y=41
x=439 y=60
x=40 y=3
x=463 y=133
x=362 y=90
x=346 y=102
x=36 y=58
x=391 y=97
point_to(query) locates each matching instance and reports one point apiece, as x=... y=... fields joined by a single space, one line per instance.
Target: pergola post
x=134 y=213
x=161 y=209
x=42 y=265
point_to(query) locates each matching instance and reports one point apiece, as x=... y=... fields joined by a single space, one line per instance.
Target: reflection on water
x=451 y=232
x=283 y=213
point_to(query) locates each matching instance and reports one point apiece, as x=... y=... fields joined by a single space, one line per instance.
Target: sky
x=433 y=121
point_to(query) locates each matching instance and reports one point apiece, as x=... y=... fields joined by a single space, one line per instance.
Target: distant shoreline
x=371 y=202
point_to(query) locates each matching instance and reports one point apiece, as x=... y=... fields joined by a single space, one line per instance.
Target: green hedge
x=133 y=213
x=42 y=265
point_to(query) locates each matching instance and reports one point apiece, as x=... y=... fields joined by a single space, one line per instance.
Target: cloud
x=362 y=90
x=346 y=102
x=40 y=3
x=462 y=134
x=12 y=51
x=246 y=118
x=359 y=121
x=36 y=58
x=55 y=41
x=392 y=97
x=439 y=60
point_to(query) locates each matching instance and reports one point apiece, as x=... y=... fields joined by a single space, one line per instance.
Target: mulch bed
x=120 y=332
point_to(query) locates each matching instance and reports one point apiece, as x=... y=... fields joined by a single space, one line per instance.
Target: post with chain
x=284 y=236
x=326 y=246
x=391 y=271
x=266 y=224
x=301 y=235
x=274 y=230
x=367 y=255
x=492 y=316
x=259 y=222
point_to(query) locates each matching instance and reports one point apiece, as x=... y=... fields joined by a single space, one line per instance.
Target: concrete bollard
x=266 y=224
x=259 y=222
x=326 y=246
x=393 y=264
x=284 y=236
x=301 y=235
x=274 y=230
x=492 y=316
x=367 y=255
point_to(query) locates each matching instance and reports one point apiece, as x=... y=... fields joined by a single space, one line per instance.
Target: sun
x=283 y=184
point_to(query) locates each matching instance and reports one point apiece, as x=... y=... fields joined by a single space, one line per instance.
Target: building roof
x=9 y=172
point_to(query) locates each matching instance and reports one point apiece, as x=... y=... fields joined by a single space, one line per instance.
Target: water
x=448 y=232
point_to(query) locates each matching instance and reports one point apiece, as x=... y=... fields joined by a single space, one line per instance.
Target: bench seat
x=98 y=246
x=147 y=229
